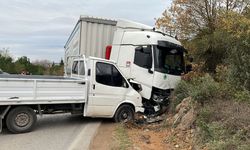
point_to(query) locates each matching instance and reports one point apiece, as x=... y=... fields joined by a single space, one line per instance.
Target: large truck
x=95 y=88
x=145 y=56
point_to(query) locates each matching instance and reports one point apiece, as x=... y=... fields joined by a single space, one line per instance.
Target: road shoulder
x=84 y=138
x=104 y=138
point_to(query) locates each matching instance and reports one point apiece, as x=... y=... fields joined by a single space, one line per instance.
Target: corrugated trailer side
x=96 y=34
x=89 y=37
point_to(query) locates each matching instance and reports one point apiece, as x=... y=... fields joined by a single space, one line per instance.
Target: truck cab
x=108 y=89
x=151 y=58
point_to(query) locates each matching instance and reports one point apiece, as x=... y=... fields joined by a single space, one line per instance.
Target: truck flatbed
x=32 y=89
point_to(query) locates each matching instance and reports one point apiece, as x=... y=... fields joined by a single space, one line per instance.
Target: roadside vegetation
x=23 y=65
x=210 y=107
x=217 y=35
x=122 y=138
x=222 y=112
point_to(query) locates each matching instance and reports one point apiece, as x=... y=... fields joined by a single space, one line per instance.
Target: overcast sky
x=39 y=28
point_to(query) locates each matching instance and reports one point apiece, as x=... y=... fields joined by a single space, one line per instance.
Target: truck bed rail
x=16 y=91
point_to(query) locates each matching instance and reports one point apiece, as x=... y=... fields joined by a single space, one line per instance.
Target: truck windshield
x=168 y=60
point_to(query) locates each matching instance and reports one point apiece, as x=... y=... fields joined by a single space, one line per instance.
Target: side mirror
x=136 y=86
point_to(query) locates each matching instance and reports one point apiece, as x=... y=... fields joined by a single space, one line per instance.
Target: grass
x=121 y=135
x=224 y=125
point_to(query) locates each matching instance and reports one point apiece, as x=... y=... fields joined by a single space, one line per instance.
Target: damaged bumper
x=139 y=109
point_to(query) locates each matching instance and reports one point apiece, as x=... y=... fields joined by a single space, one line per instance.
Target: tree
x=6 y=61
x=204 y=27
x=187 y=18
x=61 y=62
x=23 y=64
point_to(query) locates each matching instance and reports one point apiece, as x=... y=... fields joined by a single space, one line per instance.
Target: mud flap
x=1 y=124
x=2 y=117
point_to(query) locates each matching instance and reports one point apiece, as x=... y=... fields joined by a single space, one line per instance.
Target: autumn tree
x=215 y=32
x=199 y=25
x=187 y=18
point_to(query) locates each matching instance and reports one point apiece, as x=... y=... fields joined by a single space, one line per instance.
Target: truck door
x=142 y=69
x=108 y=88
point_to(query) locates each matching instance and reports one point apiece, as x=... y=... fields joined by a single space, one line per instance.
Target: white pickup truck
x=96 y=88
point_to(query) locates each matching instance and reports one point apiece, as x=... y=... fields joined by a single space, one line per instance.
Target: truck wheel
x=21 y=119
x=124 y=113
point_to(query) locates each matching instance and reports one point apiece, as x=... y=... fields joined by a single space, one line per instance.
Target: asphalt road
x=54 y=132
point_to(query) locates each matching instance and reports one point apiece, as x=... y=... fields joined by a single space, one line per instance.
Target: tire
x=124 y=113
x=21 y=119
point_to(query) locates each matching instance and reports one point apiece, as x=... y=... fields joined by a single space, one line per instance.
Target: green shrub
x=242 y=96
x=204 y=89
x=224 y=141
x=201 y=89
x=239 y=63
x=180 y=92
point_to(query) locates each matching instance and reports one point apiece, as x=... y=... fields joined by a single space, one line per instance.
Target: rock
x=145 y=138
x=177 y=146
x=154 y=119
x=187 y=120
x=146 y=130
x=192 y=131
x=185 y=115
x=185 y=103
x=136 y=148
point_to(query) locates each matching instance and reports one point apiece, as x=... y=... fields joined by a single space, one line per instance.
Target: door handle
x=81 y=83
x=93 y=86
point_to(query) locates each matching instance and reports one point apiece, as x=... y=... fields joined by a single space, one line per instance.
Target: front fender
x=137 y=108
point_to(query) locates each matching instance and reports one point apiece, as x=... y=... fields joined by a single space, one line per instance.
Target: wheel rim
x=125 y=115
x=22 y=119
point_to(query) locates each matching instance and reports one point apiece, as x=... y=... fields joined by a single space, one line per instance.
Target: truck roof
x=119 y=23
x=97 y=20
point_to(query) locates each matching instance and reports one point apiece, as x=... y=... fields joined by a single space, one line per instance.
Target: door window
x=75 y=67
x=143 y=56
x=107 y=74
x=81 y=68
x=78 y=68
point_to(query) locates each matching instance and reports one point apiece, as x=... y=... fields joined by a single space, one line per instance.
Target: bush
x=201 y=89
x=224 y=125
x=242 y=96
x=204 y=89
x=239 y=64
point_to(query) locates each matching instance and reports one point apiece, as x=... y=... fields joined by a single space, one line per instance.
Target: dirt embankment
x=175 y=132
x=220 y=124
